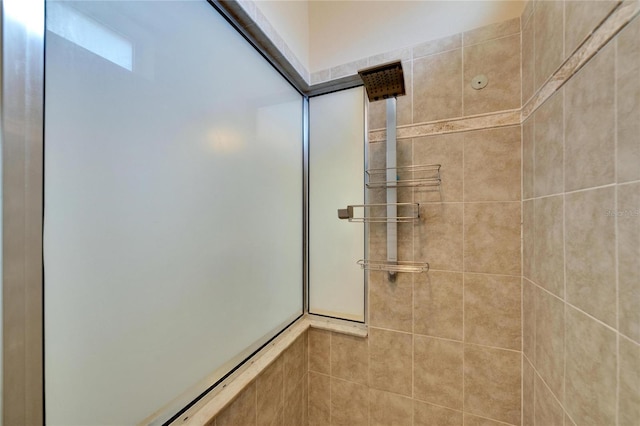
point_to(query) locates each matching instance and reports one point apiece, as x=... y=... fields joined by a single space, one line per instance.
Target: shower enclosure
x=160 y=234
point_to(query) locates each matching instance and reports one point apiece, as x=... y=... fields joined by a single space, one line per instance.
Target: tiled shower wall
x=581 y=223
x=444 y=346
x=278 y=396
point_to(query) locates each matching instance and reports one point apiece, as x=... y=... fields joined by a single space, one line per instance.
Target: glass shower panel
x=173 y=206
x=336 y=179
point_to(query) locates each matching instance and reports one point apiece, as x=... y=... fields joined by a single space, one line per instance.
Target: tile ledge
x=226 y=392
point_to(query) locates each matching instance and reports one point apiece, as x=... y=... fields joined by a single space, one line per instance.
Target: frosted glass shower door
x=336 y=179
x=173 y=207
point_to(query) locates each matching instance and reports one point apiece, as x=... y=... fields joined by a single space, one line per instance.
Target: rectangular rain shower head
x=383 y=81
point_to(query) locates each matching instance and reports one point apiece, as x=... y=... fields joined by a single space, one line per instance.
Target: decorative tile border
x=224 y=395
x=463 y=124
x=611 y=26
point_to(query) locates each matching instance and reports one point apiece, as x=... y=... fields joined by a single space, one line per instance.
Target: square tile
x=527 y=60
x=590 y=376
x=390 y=302
x=428 y=415
x=548 y=410
x=437 y=375
x=628 y=260
x=529 y=291
x=528 y=239
x=492 y=31
x=319 y=350
x=438 y=236
x=548 y=36
x=270 y=393
x=590 y=252
x=388 y=409
x=437 y=304
x=590 y=123
x=492 y=238
x=549 y=146
x=528 y=380
x=295 y=364
x=350 y=358
x=628 y=102
x=437 y=46
x=349 y=403
x=437 y=86
x=629 y=406
x=492 y=383
x=446 y=150
x=549 y=354
x=390 y=361
x=319 y=399
x=492 y=315
x=499 y=60
x=492 y=164
x=548 y=244
x=242 y=411
x=527 y=159
x=581 y=18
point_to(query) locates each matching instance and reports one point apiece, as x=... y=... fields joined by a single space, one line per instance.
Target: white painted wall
x=344 y=31
x=290 y=18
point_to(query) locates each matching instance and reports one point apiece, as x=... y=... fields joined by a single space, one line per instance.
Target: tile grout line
x=616 y=228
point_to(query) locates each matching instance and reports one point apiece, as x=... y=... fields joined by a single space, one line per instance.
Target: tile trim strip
x=610 y=27
x=220 y=398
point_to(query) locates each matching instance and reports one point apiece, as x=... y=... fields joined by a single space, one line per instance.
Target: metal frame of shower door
x=22 y=210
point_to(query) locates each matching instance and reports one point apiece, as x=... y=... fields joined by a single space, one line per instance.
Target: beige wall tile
x=390 y=302
x=242 y=411
x=390 y=358
x=438 y=236
x=590 y=376
x=568 y=421
x=549 y=343
x=590 y=123
x=350 y=358
x=319 y=350
x=446 y=150
x=628 y=102
x=388 y=409
x=528 y=383
x=350 y=68
x=437 y=46
x=548 y=35
x=295 y=404
x=319 y=399
x=528 y=318
x=295 y=364
x=548 y=411
x=437 y=86
x=437 y=371
x=548 y=248
x=471 y=420
x=527 y=61
x=629 y=260
x=492 y=383
x=492 y=310
x=590 y=250
x=527 y=159
x=492 y=238
x=492 y=165
x=349 y=403
x=437 y=304
x=549 y=145
x=490 y=32
x=499 y=60
x=320 y=76
x=629 y=405
x=428 y=415
x=528 y=239
x=581 y=18
x=527 y=12
x=270 y=398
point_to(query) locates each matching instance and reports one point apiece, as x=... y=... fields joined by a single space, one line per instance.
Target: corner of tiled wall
x=278 y=396
x=581 y=221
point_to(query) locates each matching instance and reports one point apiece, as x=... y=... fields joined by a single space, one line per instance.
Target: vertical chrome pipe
x=392 y=192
